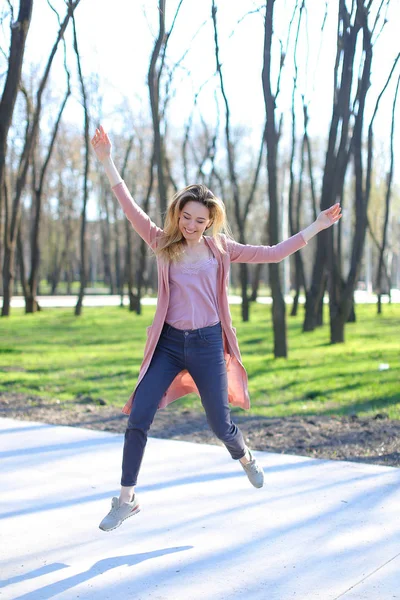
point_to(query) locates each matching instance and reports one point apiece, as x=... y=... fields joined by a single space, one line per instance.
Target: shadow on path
x=100 y=567
x=32 y=574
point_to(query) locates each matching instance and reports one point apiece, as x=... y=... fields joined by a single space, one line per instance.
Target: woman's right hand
x=101 y=144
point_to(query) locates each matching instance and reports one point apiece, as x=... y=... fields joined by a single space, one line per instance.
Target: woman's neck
x=193 y=246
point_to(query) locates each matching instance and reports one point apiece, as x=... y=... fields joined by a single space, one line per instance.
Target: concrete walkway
x=360 y=297
x=318 y=529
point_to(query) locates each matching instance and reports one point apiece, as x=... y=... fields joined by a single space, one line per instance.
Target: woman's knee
x=224 y=431
x=143 y=425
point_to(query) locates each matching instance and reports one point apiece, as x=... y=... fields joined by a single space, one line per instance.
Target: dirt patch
x=372 y=440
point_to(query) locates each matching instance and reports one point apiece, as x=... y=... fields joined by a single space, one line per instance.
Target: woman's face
x=194 y=219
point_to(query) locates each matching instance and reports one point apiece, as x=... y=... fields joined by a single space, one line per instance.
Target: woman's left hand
x=328 y=217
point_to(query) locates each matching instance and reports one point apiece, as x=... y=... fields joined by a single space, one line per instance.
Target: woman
x=191 y=345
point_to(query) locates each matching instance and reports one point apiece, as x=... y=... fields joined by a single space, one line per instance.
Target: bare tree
x=336 y=159
x=344 y=142
x=128 y=275
x=141 y=264
x=240 y=217
x=14 y=222
x=295 y=208
x=31 y=304
x=387 y=206
x=141 y=267
x=154 y=78
x=341 y=289
x=60 y=227
x=83 y=274
x=272 y=139
x=106 y=233
x=19 y=32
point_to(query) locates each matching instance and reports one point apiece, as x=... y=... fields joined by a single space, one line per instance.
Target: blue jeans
x=200 y=351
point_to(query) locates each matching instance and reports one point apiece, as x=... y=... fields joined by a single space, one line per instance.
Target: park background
x=282 y=109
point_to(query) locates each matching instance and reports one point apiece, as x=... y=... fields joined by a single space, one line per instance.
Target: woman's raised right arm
x=140 y=221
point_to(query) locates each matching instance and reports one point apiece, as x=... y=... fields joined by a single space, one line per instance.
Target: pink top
x=193 y=294
x=183 y=383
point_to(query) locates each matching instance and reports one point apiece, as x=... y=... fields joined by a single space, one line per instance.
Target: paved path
x=318 y=529
x=114 y=300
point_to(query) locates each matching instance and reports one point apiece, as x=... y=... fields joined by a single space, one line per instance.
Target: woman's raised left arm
x=245 y=253
x=325 y=219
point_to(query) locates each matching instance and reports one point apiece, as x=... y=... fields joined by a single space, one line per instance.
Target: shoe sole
x=257 y=486
x=131 y=514
x=254 y=484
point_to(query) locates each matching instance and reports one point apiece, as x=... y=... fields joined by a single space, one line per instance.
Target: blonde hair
x=172 y=241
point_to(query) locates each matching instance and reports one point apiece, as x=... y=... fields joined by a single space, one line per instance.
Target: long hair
x=172 y=242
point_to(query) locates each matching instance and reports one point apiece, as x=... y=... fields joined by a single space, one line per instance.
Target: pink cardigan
x=183 y=383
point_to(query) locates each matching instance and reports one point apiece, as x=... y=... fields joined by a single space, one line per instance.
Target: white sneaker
x=118 y=513
x=254 y=472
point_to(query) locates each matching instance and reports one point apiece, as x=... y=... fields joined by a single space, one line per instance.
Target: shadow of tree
x=101 y=566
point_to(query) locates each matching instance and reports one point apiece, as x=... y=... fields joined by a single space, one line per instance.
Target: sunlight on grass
x=57 y=356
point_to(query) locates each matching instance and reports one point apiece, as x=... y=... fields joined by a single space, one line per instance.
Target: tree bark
x=107 y=242
x=278 y=302
x=128 y=270
x=387 y=205
x=19 y=32
x=153 y=78
x=294 y=208
x=83 y=274
x=31 y=301
x=336 y=159
x=240 y=218
x=141 y=269
x=341 y=297
x=11 y=235
x=21 y=261
x=255 y=284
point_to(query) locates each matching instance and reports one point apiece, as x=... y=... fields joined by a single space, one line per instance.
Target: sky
x=116 y=38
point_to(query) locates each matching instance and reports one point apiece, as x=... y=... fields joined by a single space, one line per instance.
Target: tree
x=11 y=232
x=240 y=217
x=31 y=304
x=19 y=32
x=345 y=144
x=272 y=139
x=341 y=288
x=83 y=273
x=153 y=79
x=387 y=206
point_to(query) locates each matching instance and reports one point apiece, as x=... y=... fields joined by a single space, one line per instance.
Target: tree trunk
x=140 y=273
x=337 y=323
x=11 y=236
x=278 y=302
x=153 y=78
x=19 y=32
x=387 y=205
x=244 y=280
x=299 y=283
x=83 y=274
x=126 y=275
x=256 y=282
x=22 y=269
x=31 y=303
x=340 y=297
x=240 y=216
x=119 y=280
x=107 y=246
x=336 y=159
x=294 y=211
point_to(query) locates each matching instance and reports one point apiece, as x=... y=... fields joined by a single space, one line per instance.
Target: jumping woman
x=191 y=345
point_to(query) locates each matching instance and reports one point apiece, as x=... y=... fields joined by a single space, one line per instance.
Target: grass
x=57 y=356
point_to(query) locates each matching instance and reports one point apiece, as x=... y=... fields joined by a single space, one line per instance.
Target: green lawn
x=55 y=355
